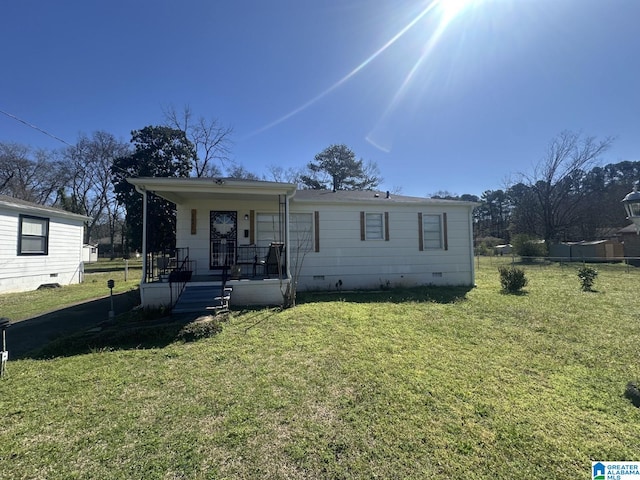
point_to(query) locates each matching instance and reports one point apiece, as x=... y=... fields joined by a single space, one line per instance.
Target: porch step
x=201 y=299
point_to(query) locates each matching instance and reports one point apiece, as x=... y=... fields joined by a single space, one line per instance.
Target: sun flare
x=450 y=9
x=445 y=11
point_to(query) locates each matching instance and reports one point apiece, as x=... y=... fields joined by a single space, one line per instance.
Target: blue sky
x=468 y=96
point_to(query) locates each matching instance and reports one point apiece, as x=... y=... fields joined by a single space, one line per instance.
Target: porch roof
x=179 y=190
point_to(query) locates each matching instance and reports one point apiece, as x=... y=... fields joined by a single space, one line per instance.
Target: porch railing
x=253 y=261
x=171 y=264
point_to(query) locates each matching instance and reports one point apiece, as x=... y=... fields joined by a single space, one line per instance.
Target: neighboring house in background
x=505 y=249
x=38 y=245
x=230 y=228
x=594 y=251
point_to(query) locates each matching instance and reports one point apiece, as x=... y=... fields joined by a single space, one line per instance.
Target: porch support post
x=287 y=250
x=144 y=238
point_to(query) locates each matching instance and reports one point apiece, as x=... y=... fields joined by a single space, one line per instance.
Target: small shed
x=631 y=244
x=89 y=253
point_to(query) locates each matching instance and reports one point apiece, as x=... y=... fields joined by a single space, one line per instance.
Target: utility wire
x=35 y=127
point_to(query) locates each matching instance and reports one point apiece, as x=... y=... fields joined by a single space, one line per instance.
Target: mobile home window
x=33 y=236
x=432 y=231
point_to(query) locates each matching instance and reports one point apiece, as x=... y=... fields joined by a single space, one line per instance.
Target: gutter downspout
x=287 y=233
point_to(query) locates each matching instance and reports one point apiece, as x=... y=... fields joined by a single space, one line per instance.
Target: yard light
x=632 y=206
x=110 y=285
x=4 y=354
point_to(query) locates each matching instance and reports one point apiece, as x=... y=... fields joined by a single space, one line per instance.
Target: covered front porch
x=229 y=232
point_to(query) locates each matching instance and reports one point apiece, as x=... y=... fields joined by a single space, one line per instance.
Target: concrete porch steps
x=202 y=299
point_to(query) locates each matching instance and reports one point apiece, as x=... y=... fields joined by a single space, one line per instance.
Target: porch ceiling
x=180 y=190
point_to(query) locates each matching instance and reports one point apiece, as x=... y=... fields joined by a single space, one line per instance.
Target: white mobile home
x=258 y=236
x=38 y=245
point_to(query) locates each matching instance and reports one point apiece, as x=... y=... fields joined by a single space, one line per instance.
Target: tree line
x=567 y=196
x=89 y=178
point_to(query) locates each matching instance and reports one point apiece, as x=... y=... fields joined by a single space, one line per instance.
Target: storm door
x=224 y=226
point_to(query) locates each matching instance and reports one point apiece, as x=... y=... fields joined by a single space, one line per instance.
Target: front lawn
x=423 y=383
x=21 y=305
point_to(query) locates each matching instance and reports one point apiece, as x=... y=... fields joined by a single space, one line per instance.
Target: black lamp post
x=632 y=206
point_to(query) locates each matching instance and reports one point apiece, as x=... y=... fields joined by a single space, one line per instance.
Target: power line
x=35 y=127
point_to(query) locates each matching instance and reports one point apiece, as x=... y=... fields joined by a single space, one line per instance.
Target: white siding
x=344 y=257
x=198 y=243
x=62 y=264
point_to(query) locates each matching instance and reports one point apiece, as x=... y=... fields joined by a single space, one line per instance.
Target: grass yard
x=421 y=383
x=22 y=305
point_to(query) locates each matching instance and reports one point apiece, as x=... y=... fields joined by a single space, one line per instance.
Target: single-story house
x=263 y=235
x=38 y=245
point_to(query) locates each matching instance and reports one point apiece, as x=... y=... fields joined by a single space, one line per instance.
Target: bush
x=587 y=276
x=486 y=245
x=512 y=279
x=200 y=329
x=528 y=247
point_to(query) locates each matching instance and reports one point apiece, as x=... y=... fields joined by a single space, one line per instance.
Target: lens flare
x=447 y=10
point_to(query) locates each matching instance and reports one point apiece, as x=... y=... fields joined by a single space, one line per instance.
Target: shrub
x=512 y=279
x=200 y=329
x=528 y=247
x=486 y=245
x=587 y=276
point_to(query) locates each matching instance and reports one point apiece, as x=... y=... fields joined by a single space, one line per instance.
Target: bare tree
x=211 y=140
x=277 y=173
x=300 y=243
x=91 y=188
x=556 y=181
x=35 y=176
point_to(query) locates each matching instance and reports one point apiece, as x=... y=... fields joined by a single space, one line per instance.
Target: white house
x=239 y=229
x=38 y=245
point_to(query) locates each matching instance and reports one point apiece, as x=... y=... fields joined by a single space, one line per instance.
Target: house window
x=33 y=236
x=374 y=226
x=432 y=231
x=301 y=232
x=268 y=228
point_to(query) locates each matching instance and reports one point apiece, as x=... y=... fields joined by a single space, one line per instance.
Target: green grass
x=22 y=305
x=422 y=383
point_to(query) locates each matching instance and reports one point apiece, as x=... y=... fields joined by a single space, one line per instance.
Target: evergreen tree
x=159 y=152
x=336 y=168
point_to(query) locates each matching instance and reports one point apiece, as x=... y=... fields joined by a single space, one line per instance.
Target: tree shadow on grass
x=86 y=328
x=132 y=335
x=394 y=295
x=519 y=293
